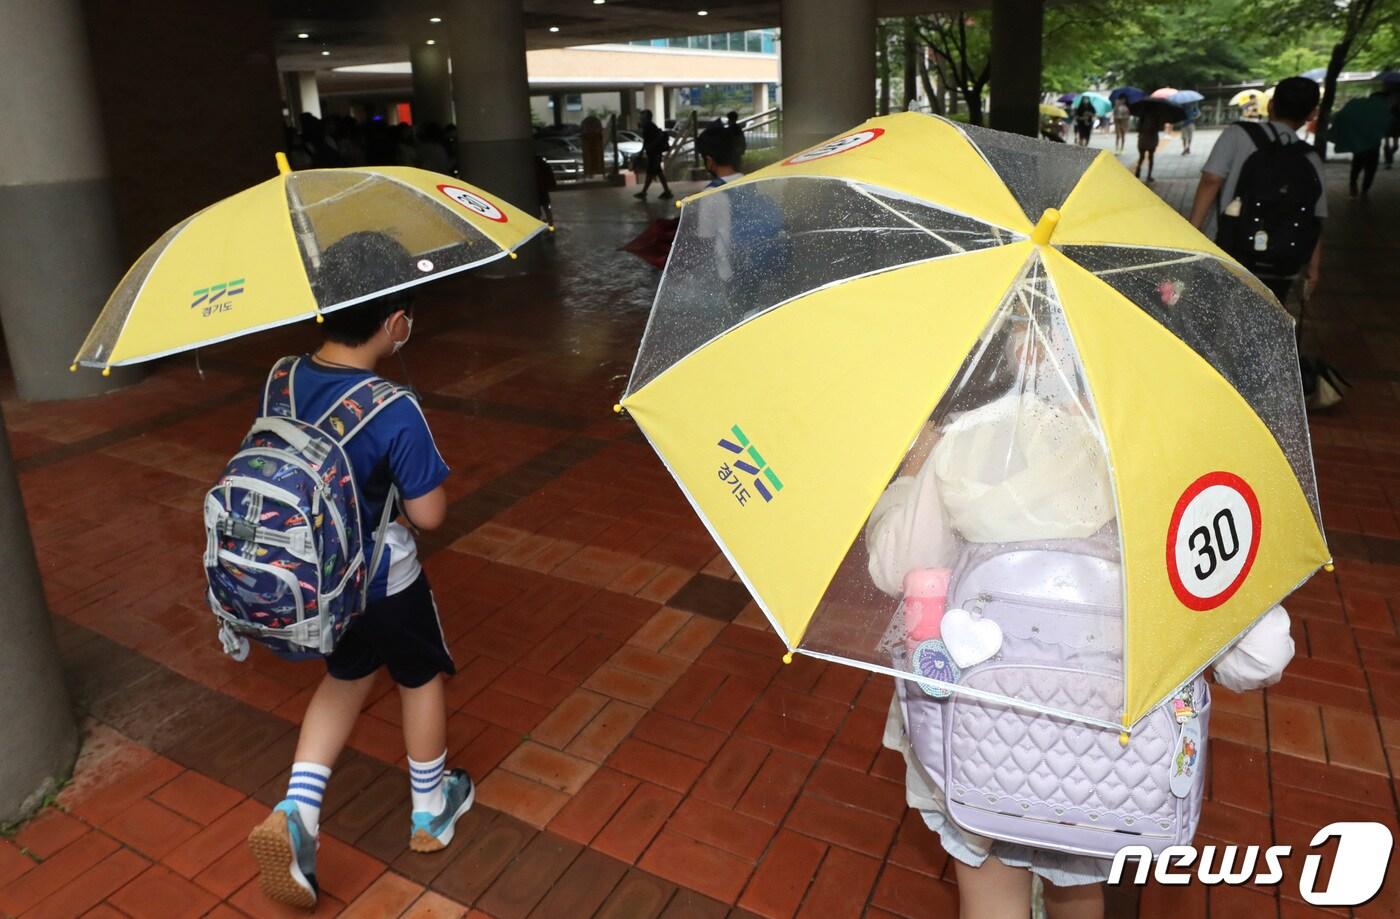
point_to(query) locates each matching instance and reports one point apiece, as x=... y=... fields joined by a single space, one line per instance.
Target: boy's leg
x=440 y=795
x=993 y=891
x=284 y=845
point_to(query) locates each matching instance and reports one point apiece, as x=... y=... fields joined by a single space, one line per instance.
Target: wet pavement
x=640 y=747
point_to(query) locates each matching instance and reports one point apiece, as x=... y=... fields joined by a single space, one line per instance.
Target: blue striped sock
x=425 y=784
x=306 y=789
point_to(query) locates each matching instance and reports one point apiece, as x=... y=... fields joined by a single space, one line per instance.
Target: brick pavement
x=641 y=749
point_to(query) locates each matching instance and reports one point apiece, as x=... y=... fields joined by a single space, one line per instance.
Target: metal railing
x=761 y=130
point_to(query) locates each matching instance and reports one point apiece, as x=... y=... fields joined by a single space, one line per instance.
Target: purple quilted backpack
x=1035 y=779
x=284 y=552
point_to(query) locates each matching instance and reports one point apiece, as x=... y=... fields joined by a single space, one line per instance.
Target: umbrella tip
x=1329 y=567
x=617 y=408
x=551 y=228
x=283 y=167
x=1045 y=227
x=679 y=202
x=73 y=367
x=1123 y=738
x=787 y=658
x=107 y=371
x=513 y=256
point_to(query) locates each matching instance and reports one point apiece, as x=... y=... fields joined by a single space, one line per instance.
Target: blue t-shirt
x=394 y=447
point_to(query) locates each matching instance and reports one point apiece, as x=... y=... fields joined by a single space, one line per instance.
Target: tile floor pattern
x=641 y=749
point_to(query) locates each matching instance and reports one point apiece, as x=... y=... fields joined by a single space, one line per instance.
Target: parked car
x=564 y=156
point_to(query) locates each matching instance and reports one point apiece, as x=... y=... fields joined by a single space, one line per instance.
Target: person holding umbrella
x=1358 y=129
x=1084 y=118
x=1149 y=124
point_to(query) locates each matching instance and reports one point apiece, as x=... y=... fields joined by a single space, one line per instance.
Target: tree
x=1351 y=23
x=962 y=45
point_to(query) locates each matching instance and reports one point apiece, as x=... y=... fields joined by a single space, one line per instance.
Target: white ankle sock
x=425 y=784
x=305 y=789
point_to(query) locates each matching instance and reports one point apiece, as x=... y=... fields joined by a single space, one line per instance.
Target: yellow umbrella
x=1013 y=338
x=1052 y=111
x=1257 y=98
x=251 y=261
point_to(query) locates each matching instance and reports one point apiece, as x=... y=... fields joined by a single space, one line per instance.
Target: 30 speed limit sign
x=1212 y=540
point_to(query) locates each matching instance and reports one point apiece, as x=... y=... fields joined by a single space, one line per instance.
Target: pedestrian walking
x=1122 y=117
x=655 y=143
x=1149 y=124
x=1084 y=118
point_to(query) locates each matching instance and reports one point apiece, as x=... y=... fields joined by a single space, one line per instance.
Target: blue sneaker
x=432 y=832
x=286 y=857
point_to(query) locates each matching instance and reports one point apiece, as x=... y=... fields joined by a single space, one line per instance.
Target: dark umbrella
x=1161 y=109
x=1129 y=93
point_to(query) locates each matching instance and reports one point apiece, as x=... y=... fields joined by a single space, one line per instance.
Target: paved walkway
x=640 y=747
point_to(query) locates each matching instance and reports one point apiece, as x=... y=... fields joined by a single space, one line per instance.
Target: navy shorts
x=402 y=633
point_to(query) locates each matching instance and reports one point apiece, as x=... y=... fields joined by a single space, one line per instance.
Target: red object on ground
x=654 y=243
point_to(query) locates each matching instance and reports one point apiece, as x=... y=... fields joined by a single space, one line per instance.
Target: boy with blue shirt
x=399 y=628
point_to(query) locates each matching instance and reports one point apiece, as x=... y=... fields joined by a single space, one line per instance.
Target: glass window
x=753 y=41
x=736 y=41
x=769 y=44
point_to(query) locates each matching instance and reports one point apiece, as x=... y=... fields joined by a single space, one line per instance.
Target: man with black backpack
x=1261 y=192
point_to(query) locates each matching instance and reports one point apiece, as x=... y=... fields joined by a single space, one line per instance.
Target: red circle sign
x=833 y=147
x=473 y=202
x=1213 y=540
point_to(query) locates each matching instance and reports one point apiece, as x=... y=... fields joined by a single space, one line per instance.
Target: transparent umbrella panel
x=995 y=547
x=420 y=236
x=762 y=245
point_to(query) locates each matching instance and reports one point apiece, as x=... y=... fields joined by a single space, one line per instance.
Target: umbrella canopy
x=938 y=311
x=1129 y=93
x=253 y=261
x=1098 y=100
x=1361 y=125
x=1250 y=97
x=1185 y=97
x=1052 y=111
x=1389 y=77
x=1166 y=92
x=1164 y=111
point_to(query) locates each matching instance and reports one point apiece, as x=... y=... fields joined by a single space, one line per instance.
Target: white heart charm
x=969 y=641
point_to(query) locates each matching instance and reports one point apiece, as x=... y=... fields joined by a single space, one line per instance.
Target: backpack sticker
x=932 y=660
x=1212 y=540
x=1186 y=759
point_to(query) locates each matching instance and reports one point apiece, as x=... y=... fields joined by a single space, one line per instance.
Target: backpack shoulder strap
x=279 y=396
x=357 y=405
x=1256 y=133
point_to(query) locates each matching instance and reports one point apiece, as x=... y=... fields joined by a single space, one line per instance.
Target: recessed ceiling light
x=325 y=54
x=554 y=28
x=303 y=35
x=432 y=41
x=702 y=12
x=599 y=2
x=436 y=19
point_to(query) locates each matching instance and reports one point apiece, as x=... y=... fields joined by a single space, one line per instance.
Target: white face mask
x=399 y=344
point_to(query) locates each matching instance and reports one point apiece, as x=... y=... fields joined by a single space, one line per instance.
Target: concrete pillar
x=654 y=98
x=41 y=738
x=556 y=108
x=60 y=255
x=432 y=83
x=828 y=68
x=307 y=92
x=760 y=97
x=1016 y=45
x=673 y=103
x=491 y=94
x=627 y=104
